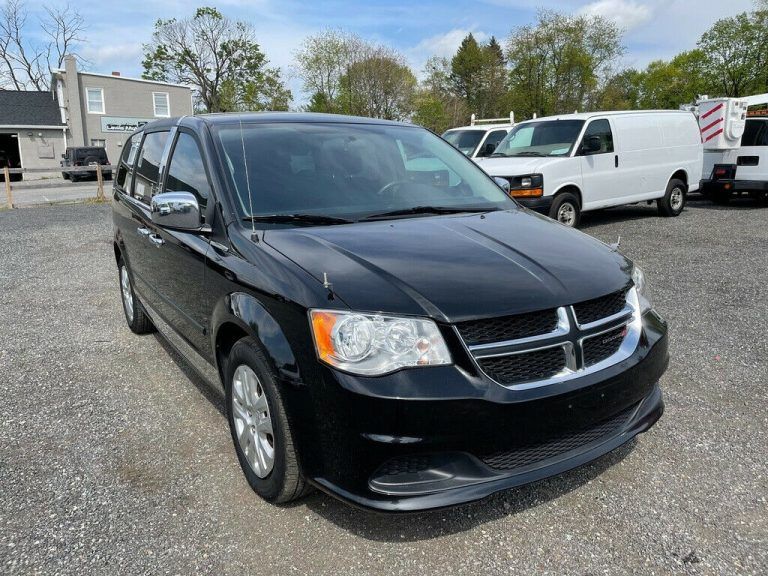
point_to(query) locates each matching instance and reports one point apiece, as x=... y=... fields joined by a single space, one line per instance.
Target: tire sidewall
x=668 y=197
x=563 y=198
x=130 y=321
x=271 y=486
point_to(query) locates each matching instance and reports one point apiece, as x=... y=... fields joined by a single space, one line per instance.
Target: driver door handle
x=156 y=240
x=143 y=231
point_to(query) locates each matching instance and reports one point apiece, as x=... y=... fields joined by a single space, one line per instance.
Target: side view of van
x=565 y=165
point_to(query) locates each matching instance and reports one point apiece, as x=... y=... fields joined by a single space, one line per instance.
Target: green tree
x=220 y=58
x=466 y=72
x=736 y=54
x=436 y=106
x=380 y=85
x=561 y=63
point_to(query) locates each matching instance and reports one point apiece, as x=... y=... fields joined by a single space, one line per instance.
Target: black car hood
x=455 y=268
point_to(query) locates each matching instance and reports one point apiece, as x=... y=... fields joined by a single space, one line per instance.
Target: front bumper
x=464 y=437
x=541 y=204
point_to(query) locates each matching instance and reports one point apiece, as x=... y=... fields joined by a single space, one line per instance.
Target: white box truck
x=735 y=148
x=565 y=165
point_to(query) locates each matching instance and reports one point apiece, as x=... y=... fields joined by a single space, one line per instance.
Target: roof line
x=31 y=126
x=62 y=70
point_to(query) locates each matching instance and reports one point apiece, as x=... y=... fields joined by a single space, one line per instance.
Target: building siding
x=39 y=148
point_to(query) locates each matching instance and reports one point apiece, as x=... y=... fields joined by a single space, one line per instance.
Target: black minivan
x=387 y=324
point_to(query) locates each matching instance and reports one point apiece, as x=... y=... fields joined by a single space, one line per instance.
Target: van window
x=542 y=138
x=125 y=169
x=464 y=140
x=493 y=138
x=602 y=129
x=147 y=173
x=755 y=133
x=186 y=170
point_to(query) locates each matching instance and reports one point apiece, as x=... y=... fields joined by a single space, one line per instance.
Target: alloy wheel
x=125 y=289
x=676 y=199
x=566 y=214
x=253 y=422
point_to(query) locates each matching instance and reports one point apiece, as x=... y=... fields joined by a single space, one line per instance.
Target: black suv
x=387 y=324
x=85 y=156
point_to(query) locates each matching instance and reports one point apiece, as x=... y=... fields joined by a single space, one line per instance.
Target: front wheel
x=566 y=209
x=673 y=201
x=260 y=430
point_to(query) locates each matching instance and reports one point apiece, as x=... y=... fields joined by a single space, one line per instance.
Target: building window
x=98 y=142
x=95 y=100
x=162 y=107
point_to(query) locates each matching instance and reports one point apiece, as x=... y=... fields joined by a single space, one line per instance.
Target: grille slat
x=508 y=327
x=599 y=308
x=601 y=347
x=516 y=368
x=533 y=454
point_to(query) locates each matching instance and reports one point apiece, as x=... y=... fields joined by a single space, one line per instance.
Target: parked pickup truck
x=402 y=339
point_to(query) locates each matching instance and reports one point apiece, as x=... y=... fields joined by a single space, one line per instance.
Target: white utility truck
x=735 y=147
x=481 y=137
x=565 y=165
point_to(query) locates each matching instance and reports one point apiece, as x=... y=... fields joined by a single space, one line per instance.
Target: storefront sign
x=117 y=124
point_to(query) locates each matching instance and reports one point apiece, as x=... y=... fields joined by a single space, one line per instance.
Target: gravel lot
x=116 y=459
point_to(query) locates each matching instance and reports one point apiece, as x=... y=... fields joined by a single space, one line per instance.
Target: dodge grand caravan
x=565 y=165
x=400 y=338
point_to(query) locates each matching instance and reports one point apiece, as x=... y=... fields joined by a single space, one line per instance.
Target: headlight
x=638 y=278
x=528 y=186
x=375 y=344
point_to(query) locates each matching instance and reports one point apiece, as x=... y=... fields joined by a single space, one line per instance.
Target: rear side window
x=601 y=129
x=147 y=173
x=186 y=170
x=755 y=133
x=127 y=158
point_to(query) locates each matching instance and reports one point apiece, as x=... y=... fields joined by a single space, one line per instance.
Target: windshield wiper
x=430 y=210
x=308 y=218
x=529 y=153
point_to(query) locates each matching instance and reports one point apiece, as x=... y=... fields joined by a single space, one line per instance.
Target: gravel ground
x=116 y=459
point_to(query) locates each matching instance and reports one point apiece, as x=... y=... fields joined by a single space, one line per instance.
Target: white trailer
x=735 y=147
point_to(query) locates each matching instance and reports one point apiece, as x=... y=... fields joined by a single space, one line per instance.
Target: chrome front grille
x=585 y=337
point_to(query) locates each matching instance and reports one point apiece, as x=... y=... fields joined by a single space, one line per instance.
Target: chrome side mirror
x=178 y=210
x=503 y=183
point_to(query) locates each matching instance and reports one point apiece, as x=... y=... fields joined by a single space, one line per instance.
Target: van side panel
x=651 y=147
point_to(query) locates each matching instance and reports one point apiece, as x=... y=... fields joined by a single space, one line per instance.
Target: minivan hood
x=454 y=268
x=516 y=166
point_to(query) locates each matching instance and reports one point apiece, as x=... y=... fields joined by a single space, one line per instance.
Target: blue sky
x=418 y=29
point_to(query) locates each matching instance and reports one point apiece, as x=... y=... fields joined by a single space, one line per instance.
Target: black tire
x=673 y=201
x=136 y=317
x=65 y=175
x=566 y=209
x=284 y=482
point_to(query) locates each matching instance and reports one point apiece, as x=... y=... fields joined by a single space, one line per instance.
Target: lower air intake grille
x=404 y=465
x=516 y=368
x=522 y=457
x=600 y=308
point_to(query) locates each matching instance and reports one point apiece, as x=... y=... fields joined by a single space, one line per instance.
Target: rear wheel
x=673 y=201
x=260 y=430
x=566 y=209
x=135 y=316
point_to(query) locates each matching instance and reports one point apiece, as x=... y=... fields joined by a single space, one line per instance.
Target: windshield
x=464 y=140
x=350 y=172
x=546 y=138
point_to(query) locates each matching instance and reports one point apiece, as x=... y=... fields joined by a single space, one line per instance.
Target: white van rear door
x=599 y=172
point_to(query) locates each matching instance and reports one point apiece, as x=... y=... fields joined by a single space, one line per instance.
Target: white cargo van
x=565 y=165
x=481 y=137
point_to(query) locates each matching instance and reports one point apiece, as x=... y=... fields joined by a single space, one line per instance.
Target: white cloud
x=443 y=45
x=627 y=14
